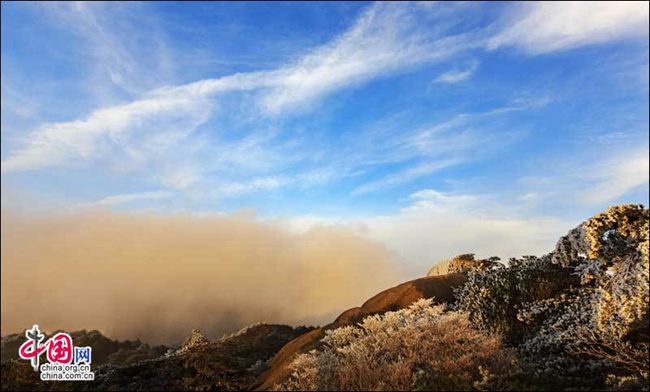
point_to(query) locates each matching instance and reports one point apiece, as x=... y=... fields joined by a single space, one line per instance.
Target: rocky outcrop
x=463 y=264
x=194 y=341
x=440 y=268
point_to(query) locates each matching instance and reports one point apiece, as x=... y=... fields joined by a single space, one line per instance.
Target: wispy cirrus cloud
x=615 y=177
x=154 y=121
x=458 y=75
x=385 y=39
x=594 y=179
x=173 y=136
x=406 y=175
x=428 y=149
x=228 y=189
x=113 y=47
x=129 y=198
x=543 y=27
x=433 y=199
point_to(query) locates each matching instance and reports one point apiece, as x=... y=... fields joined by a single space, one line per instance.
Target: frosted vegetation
x=576 y=318
x=422 y=345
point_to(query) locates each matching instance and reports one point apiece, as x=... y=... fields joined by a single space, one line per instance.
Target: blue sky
x=498 y=123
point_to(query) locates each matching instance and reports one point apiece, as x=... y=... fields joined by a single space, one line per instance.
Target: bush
x=610 y=254
x=601 y=325
x=494 y=297
x=421 y=347
x=579 y=312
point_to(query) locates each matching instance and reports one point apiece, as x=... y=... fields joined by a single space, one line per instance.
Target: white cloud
x=157 y=122
x=614 y=178
x=543 y=27
x=129 y=198
x=409 y=174
x=304 y=179
x=430 y=199
x=428 y=235
x=436 y=225
x=458 y=75
x=426 y=150
x=592 y=179
x=156 y=134
x=385 y=39
x=115 y=51
x=179 y=177
x=15 y=103
x=253 y=185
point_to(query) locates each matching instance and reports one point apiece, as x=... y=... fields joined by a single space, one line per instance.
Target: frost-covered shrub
x=581 y=311
x=602 y=324
x=612 y=256
x=421 y=347
x=465 y=263
x=560 y=321
x=494 y=297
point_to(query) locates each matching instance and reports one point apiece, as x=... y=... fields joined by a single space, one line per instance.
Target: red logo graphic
x=59 y=347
